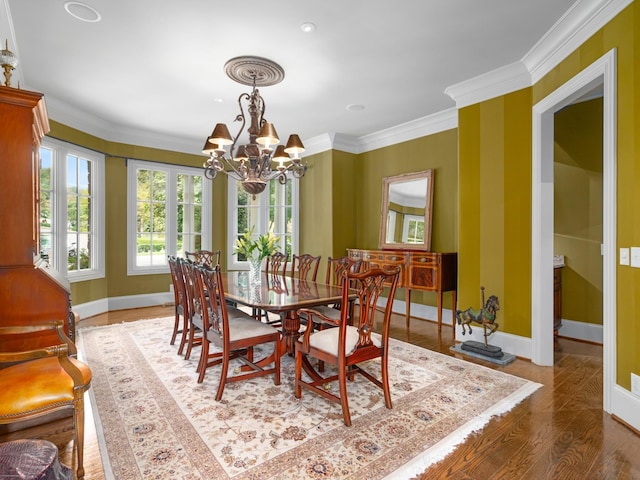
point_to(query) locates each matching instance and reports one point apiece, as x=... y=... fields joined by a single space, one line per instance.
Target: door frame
x=601 y=72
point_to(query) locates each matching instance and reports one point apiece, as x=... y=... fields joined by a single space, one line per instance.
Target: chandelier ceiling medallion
x=250 y=163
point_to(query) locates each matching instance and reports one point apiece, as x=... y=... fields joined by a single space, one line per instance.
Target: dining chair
x=236 y=333
x=336 y=267
x=204 y=257
x=194 y=323
x=37 y=385
x=275 y=264
x=181 y=308
x=305 y=266
x=347 y=346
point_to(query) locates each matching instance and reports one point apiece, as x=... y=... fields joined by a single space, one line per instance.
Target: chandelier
x=250 y=163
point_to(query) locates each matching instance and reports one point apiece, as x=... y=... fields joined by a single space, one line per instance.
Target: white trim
x=61 y=150
x=579 y=23
x=602 y=71
x=489 y=85
x=89 y=309
x=586 y=332
x=171 y=202
x=420 y=127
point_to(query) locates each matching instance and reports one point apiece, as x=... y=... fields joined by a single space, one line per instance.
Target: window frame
x=172 y=171
x=263 y=218
x=60 y=151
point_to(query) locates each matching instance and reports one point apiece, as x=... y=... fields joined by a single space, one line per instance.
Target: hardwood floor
x=559 y=432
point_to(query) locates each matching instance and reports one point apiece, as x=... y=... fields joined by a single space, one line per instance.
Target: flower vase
x=255 y=275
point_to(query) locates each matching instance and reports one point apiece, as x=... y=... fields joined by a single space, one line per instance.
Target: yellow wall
x=494 y=225
x=494 y=220
x=438 y=152
x=577 y=186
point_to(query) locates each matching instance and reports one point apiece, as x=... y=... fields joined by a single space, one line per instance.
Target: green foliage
x=263 y=246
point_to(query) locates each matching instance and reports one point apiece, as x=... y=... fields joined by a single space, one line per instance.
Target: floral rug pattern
x=159 y=423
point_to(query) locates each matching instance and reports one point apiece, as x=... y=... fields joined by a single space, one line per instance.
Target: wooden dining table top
x=277 y=293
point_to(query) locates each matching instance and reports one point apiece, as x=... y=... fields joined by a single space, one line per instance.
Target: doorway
x=599 y=74
x=577 y=181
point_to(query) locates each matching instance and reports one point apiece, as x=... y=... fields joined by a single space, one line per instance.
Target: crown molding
x=490 y=85
x=581 y=21
x=73 y=117
x=421 y=127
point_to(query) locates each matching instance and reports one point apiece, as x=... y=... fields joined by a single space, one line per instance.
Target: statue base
x=478 y=347
x=489 y=353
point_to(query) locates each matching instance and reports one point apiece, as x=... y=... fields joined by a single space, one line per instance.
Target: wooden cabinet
x=426 y=271
x=557 y=299
x=29 y=291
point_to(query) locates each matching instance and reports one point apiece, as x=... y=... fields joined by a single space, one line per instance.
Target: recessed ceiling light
x=82 y=12
x=355 y=107
x=308 y=27
x=217 y=100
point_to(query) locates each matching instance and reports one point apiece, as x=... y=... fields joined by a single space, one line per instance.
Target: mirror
x=407 y=202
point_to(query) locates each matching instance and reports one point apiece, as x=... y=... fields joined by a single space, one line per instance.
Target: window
x=413 y=229
x=274 y=210
x=168 y=214
x=72 y=209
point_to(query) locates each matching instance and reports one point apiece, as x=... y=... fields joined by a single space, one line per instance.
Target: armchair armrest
x=319 y=319
x=62 y=350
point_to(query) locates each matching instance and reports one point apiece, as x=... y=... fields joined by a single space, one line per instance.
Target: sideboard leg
x=408 y=305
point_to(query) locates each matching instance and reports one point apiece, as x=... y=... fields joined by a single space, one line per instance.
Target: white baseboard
x=626 y=406
x=514 y=344
x=587 y=332
x=104 y=305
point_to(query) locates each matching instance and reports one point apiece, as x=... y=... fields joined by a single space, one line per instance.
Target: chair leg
x=276 y=352
x=78 y=420
x=384 y=367
x=298 y=379
x=185 y=332
x=204 y=359
x=223 y=377
x=344 y=401
x=176 y=326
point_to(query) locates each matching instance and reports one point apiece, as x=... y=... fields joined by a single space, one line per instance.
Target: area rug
x=156 y=422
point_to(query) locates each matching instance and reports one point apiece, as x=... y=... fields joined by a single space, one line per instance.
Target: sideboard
x=426 y=271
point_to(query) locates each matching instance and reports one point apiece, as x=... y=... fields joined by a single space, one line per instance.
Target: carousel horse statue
x=485 y=317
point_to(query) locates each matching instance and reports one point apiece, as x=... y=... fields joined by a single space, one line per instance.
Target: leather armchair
x=41 y=382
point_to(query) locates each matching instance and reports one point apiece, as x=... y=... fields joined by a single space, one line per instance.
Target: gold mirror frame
x=398 y=196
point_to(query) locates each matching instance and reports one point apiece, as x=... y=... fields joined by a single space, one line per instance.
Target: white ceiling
x=153 y=69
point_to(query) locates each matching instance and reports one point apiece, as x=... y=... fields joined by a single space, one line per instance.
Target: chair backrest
x=276 y=264
x=211 y=299
x=179 y=287
x=337 y=266
x=368 y=286
x=207 y=258
x=192 y=299
x=306 y=266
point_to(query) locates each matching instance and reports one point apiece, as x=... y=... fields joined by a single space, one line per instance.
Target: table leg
x=408 y=305
x=439 y=312
x=290 y=332
x=453 y=312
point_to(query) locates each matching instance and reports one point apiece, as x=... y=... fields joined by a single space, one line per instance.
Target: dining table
x=282 y=295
